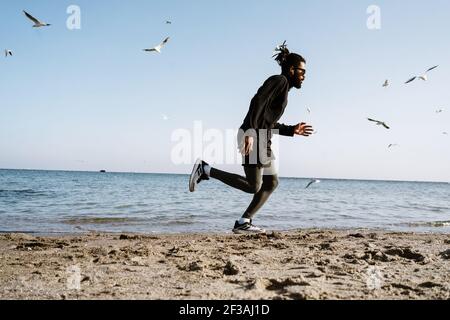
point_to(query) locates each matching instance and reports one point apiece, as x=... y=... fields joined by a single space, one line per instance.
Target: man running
x=254 y=139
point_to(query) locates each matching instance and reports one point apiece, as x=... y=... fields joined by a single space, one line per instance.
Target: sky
x=90 y=98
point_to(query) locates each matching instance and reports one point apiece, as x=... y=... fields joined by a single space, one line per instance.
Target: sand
x=303 y=264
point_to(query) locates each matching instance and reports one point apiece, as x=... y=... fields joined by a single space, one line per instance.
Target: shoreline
x=227 y=232
x=296 y=264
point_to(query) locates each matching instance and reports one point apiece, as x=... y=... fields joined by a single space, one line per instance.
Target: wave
x=20 y=192
x=100 y=220
x=17 y=191
x=176 y=222
x=124 y=206
x=115 y=221
x=422 y=207
x=436 y=224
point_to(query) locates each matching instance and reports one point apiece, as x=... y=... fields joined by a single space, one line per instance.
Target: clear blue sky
x=91 y=99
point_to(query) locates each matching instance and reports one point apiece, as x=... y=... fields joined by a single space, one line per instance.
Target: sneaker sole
x=193 y=178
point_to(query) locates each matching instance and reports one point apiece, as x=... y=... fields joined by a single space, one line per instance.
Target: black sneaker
x=198 y=174
x=247 y=228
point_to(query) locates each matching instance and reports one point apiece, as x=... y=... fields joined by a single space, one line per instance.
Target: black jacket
x=266 y=108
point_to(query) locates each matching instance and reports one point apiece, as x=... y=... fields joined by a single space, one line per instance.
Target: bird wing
x=310 y=183
x=385 y=125
x=432 y=68
x=410 y=80
x=373 y=120
x=165 y=41
x=29 y=16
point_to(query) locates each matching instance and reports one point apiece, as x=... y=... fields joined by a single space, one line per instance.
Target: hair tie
x=281 y=53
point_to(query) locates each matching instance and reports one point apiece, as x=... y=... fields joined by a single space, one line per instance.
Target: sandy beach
x=303 y=264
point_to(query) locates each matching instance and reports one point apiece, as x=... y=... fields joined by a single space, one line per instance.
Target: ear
x=291 y=71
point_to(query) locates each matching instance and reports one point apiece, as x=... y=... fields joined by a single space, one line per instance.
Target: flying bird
x=392 y=145
x=311 y=182
x=439 y=110
x=308 y=109
x=168 y=22
x=386 y=84
x=8 y=52
x=423 y=77
x=380 y=123
x=37 y=23
x=158 y=47
x=444 y=133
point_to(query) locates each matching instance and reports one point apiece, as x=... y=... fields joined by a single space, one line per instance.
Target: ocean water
x=46 y=202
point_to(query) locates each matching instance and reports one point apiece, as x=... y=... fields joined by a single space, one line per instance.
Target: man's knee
x=255 y=187
x=270 y=183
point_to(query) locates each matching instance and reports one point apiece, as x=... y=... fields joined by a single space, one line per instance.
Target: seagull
x=8 y=52
x=37 y=23
x=380 y=123
x=392 y=145
x=439 y=111
x=168 y=22
x=312 y=182
x=423 y=77
x=158 y=47
x=308 y=109
x=386 y=84
x=444 y=133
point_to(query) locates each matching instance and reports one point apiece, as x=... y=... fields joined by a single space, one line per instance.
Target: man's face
x=297 y=74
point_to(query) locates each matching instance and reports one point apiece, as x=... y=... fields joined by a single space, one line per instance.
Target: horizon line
x=171 y=173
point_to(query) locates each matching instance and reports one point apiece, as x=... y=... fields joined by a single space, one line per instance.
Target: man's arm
x=284 y=130
x=301 y=129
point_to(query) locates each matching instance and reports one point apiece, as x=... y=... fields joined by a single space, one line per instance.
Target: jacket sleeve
x=284 y=130
x=262 y=99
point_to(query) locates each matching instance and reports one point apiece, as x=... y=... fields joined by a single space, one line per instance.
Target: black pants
x=254 y=182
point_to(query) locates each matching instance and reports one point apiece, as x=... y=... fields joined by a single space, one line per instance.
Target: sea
x=67 y=202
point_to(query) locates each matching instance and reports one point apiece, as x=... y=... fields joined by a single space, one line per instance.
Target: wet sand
x=303 y=264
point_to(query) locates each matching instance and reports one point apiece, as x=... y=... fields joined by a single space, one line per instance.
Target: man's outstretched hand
x=303 y=129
